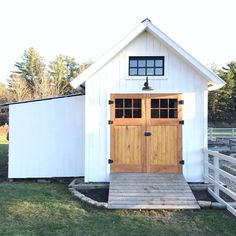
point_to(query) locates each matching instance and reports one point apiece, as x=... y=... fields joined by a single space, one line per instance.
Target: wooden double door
x=146 y=134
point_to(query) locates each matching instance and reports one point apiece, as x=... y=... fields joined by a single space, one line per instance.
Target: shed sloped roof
x=214 y=81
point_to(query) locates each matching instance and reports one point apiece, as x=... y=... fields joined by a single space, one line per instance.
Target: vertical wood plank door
x=134 y=115
x=164 y=146
x=127 y=140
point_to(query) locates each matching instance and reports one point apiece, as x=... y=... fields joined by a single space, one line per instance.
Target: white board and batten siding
x=47 y=138
x=113 y=77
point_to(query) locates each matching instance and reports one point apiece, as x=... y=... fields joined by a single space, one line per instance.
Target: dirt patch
x=99 y=195
x=203 y=195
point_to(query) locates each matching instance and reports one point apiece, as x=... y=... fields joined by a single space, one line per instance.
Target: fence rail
x=225 y=132
x=213 y=172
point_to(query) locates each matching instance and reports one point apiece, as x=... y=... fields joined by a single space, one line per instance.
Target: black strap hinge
x=110 y=122
x=181 y=102
x=110 y=102
x=110 y=161
x=181 y=162
x=181 y=122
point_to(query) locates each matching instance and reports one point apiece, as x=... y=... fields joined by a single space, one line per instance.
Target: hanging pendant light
x=146 y=86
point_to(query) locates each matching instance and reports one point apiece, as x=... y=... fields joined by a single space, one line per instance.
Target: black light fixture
x=146 y=86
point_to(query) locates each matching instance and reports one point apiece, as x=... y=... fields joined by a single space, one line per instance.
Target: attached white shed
x=47 y=138
x=127 y=126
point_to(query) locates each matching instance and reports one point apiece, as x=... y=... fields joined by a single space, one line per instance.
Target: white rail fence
x=216 y=175
x=221 y=132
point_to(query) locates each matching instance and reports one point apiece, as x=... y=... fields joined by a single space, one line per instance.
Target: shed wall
x=47 y=138
x=179 y=77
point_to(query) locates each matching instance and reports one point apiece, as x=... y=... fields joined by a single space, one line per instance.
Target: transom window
x=164 y=108
x=146 y=66
x=128 y=108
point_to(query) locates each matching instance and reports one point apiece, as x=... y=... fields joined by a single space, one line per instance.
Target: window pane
x=173 y=113
x=154 y=113
x=150 y=63
x=128 y=103
x=141 y=63
x=146 y=66
x=133 y=63
x=137 y=103
x=141 y=71
x=164 y=103
x=137 y=113
x=159 y=71
x=158 y=63
x=128 y=113
x=150 y=71
x=119 y=113
x=163 y=113
x=155 y=103
x=173 y=103
x=132 y=71
x=119 y=103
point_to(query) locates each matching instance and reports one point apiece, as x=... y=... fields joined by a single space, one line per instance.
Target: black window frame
x=146 y=58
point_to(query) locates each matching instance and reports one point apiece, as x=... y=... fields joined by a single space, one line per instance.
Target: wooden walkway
x=150 y=191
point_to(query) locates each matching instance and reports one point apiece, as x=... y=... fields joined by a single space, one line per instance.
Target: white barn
x=120 y=124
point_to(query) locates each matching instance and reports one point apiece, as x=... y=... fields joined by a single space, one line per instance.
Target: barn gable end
x=113 y=77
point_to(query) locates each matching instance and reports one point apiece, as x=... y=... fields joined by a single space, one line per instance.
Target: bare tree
x=19 y=88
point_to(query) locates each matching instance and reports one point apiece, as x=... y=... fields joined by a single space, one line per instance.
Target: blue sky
x=86 y=29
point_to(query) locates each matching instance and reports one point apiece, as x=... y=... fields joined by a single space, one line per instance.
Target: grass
x=3 y=150
x=49 y=209
x=28 y=208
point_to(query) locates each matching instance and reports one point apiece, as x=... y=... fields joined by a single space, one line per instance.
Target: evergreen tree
x=222 y=102
x=62 y=71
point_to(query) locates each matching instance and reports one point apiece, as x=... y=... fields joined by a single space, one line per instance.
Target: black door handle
x=147 y=133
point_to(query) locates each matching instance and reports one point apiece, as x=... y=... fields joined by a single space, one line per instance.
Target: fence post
x=216 y=175
x=206 y=170
x=211 y=133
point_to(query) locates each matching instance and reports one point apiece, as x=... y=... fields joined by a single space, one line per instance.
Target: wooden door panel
x=164 y=148
x=127 y=148
x=131 y=151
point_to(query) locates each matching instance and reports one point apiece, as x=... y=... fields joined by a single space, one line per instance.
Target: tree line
x=222 y=102
x=33 y=79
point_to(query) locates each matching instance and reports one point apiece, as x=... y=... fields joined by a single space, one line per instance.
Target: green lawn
x=49 y=209
x=3 y=150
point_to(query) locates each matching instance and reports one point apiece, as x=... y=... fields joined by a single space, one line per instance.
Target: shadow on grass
x=3 y=161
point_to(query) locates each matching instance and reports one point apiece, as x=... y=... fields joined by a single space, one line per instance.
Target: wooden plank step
x=148 y=198
x=153 y=202
x=150 y=195
x=145 y=179
x=153 y=206
x=150 y=191
x=148 y=183
x=147 y=188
